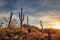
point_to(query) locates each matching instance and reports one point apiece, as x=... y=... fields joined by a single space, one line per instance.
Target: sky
x=48 y=11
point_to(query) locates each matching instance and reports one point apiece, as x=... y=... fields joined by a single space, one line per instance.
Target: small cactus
x=29 y=30
x=49 y=35
x=41 y=29
x=21 y=17
x=41 y=25
x=10 y=20
x=1 y=24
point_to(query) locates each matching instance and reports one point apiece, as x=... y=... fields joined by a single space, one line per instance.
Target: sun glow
x=57 y=25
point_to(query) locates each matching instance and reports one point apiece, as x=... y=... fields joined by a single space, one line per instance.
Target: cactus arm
x=19 y=16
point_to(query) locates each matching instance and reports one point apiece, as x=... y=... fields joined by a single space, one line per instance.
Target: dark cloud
x=34 y=8
x=37 y=5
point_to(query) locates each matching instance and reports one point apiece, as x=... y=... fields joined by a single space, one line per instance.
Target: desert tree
x=41 y=25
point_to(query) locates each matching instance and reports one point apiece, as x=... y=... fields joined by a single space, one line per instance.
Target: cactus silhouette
x=21 y=17
x=27 y=21
x=28 y=25
x=41 y=25
x=41 y=28
x=10 y=20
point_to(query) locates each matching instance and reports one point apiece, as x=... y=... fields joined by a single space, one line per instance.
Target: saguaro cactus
x=49 y=35
x=28 y=25
x=27 y=21
x=21 y=17
x=10 y=20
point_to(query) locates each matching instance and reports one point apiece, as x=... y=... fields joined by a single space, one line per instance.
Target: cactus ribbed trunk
x=21 y=18
x=10 y=20
x=21 y=23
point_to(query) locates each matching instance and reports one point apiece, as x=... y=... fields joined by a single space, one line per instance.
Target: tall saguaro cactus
x=21 y=17
x=10 y=20
x=28 y=25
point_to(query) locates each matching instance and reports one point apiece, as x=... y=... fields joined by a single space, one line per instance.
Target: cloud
x=2 y=3
x=48 y=19
x=45 y=10
x=36 y=5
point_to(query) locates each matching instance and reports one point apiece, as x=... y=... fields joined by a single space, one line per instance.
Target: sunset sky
x=48 y=11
